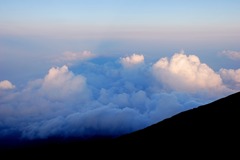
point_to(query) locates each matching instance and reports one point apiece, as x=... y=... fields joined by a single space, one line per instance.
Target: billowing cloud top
x=60 y=84
x=132 y=60
x=110 y=100
x=186 y=73
x=5 y=84
x=231 y=77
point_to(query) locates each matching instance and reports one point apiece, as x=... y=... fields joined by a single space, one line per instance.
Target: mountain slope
x=211 y=128
x=213 y=125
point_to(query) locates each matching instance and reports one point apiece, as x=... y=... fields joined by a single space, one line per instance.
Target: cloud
x=133 y=60
x=106 y=99
x=6 y=85
x=186 y=73
x=231 y=77
x=61 y=84
x=234 y=55
x=70 y=57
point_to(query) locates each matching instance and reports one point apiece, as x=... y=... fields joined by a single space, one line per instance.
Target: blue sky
x=101 y=67
x=121 y=14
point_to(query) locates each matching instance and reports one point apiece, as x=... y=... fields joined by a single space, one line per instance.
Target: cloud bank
x=186 y=73
x=234 y=55
x=61 y=84
x=73 y=57
x=231 y=77
x=110 y=99
x=6 y=85
x=133 y=60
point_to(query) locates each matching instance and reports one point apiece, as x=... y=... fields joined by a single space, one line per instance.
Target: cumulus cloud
x=231 y=77
x=70 y=57
x=107 y=99
x=133 y=60
x=186 y=73
x=61 y=84
x=5 y=85
x=234 y=55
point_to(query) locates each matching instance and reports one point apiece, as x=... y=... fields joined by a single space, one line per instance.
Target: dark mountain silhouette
x=212 y=124
x=208 y=129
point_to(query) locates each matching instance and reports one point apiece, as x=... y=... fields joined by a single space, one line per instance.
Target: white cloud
x=231 y=77
x=106 y=99
x=186 y=73
x=133 y=60
x=234 y=55
x=61 y=84
x=70 y=57
x=5 y=84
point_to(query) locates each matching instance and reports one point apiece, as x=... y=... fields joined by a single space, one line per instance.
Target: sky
x=101 y=67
